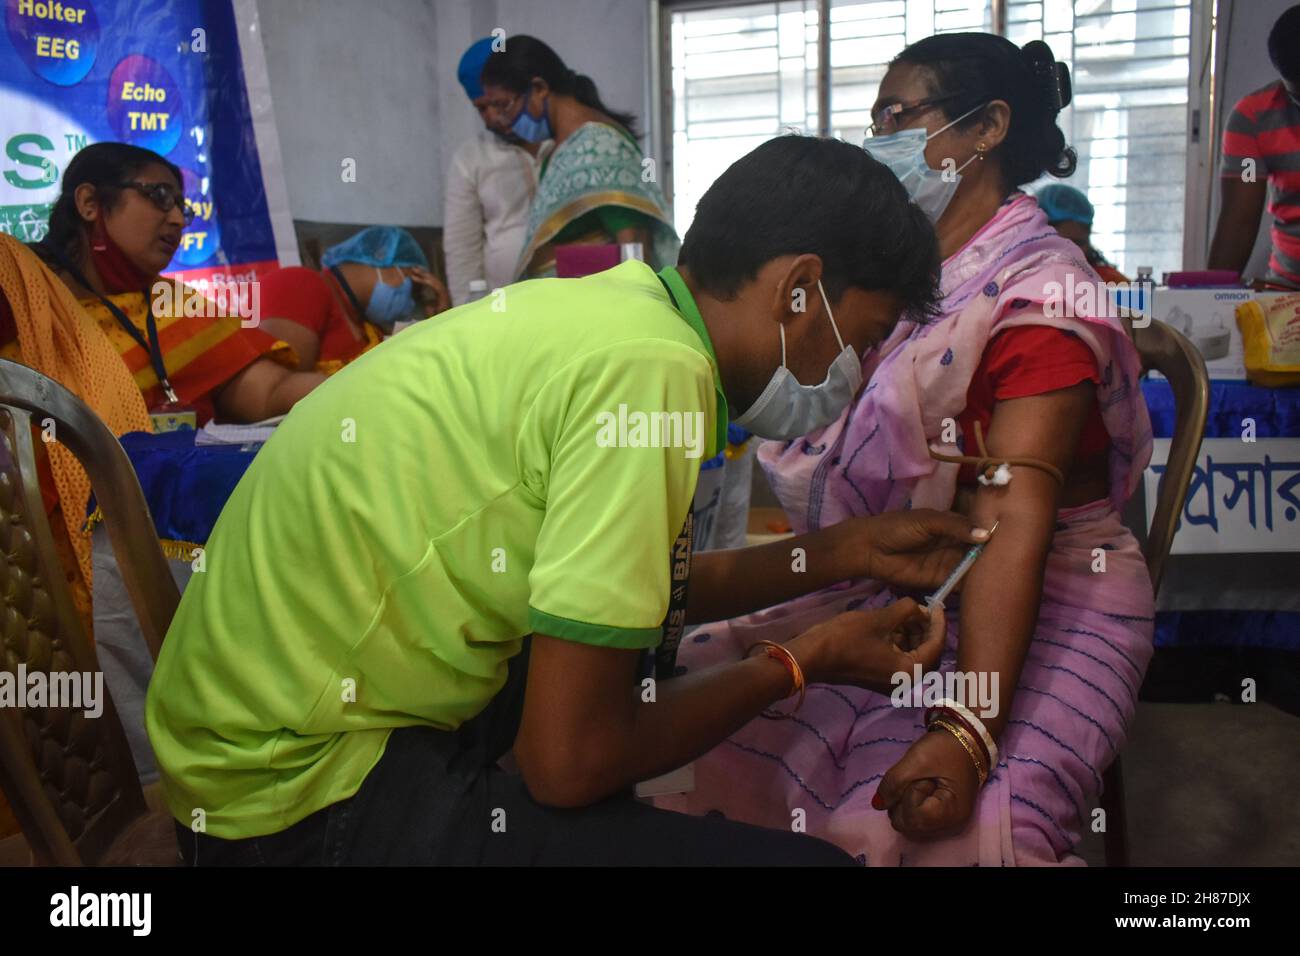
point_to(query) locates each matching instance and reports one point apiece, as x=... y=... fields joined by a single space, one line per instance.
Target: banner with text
x=162 y=74
x=1244 y=496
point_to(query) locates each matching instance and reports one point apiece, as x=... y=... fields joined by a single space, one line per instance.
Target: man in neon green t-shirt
x=468 y=540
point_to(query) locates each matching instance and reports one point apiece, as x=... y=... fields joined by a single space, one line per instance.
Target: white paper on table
x=214 y=434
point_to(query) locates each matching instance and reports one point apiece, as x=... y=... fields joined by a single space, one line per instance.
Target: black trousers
x=439 y=798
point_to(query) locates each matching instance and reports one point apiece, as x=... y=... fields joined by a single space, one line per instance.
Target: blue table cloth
x=186 y=485
x=1276 y=411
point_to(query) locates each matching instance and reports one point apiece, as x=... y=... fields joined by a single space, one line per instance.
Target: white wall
x=1244 y=66
x=356 y=80
x=375 y=80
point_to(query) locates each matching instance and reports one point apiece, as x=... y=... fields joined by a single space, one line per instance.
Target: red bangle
x=780 y=652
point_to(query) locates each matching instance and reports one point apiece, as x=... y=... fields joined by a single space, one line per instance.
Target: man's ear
x=995 y=123
x=796 y=292
x=86 y=201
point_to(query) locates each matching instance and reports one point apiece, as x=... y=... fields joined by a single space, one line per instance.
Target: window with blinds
x=742 y=73
x=1129 y=62
x=865 y=36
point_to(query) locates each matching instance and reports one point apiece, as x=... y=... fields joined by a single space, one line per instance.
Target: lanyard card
x=173 y=418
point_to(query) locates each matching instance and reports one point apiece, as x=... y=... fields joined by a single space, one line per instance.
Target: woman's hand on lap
x=931 y=791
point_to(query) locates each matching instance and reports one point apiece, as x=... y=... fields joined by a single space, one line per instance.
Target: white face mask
x=786 y=409
x=904 y=153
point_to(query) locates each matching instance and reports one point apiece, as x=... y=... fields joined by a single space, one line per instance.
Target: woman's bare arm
x=263 y=390
x=1001 y=594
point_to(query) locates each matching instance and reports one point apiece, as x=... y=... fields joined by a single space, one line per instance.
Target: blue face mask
x=904 y=153
x=389 y=303
x=532 y=130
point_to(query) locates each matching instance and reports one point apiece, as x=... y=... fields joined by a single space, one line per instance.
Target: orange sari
x=42 y=327
x=82 y=346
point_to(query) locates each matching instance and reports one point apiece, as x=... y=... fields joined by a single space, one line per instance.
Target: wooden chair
x=1167 y=351
x=70 y=779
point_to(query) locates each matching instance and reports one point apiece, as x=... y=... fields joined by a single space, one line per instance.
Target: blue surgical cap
x=471 y=67
x=379 y=246
x=1062 y=203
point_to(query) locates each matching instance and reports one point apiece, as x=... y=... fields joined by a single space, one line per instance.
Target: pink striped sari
x=1090 y=649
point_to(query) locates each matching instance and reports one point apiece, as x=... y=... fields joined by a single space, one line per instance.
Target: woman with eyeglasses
x=113 y=230
x=1019 y=410
x=595 y=186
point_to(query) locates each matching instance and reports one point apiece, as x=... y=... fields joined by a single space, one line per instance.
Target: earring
x=979 y=151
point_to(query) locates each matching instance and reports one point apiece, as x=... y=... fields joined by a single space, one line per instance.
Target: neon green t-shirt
x=523 y=463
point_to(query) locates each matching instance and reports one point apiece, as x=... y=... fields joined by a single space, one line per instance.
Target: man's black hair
x=802 y=194
x=1284 y=45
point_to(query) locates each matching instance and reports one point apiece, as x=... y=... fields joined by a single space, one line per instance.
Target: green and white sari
x=592 y=185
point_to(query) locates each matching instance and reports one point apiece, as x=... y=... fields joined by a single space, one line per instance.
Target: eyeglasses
x=506 y=107
x=885 y=120
x=163 y=196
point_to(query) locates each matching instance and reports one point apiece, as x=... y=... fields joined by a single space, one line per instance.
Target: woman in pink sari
x=1054 y=621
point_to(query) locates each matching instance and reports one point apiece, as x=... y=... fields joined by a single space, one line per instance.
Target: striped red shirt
x=1262 y=139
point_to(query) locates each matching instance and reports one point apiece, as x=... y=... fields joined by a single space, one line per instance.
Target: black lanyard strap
x=679 y=564
x=679 y=578
x=152 y=346
x=347 y=291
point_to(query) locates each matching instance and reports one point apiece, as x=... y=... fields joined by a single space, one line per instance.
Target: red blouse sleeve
x=299 y=295
x=1033 y=359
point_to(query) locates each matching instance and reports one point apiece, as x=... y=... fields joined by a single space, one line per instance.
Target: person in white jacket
x=490 y=187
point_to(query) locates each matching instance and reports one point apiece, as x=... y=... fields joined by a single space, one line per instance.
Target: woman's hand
x=425 y=278
x=914 y=549
x=867 y=648
x=931 y=791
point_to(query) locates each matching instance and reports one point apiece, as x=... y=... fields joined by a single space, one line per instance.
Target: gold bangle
x=781 y=652
x=968 y=745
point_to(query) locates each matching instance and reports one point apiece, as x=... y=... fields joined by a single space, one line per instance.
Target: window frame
x=1203 y=107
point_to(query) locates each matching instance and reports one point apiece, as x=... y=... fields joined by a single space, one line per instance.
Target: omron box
x=1208 y=318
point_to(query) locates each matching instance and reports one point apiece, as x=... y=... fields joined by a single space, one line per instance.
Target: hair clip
x=1055 y=78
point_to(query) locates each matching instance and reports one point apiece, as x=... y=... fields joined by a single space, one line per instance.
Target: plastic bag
x=1270 y=334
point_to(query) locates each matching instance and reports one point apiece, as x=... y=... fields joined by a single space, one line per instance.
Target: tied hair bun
x=1051 y=77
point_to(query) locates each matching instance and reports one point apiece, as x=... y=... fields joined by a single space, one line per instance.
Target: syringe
x=959 y=572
